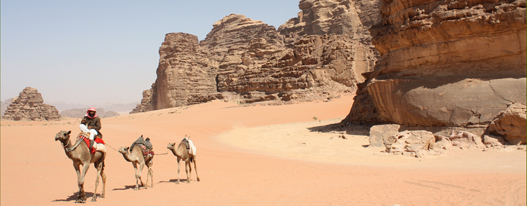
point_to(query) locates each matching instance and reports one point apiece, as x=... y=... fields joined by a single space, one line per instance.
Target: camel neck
x=174 y=151
x=126 y=156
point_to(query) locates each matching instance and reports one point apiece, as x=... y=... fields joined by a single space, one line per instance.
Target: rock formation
x=319 y=54
x=29 y=105
x=445 y=63
x=319 y=17
x=511 y=123
x=5 y=104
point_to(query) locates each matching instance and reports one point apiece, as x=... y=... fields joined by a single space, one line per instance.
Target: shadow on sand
x=126 y=187
x=174 y=181
x=73 y=197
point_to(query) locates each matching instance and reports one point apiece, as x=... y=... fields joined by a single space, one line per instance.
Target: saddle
x=85 y=136
x=146 y=151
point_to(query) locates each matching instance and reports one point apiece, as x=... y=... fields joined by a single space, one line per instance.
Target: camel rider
x=91 y=123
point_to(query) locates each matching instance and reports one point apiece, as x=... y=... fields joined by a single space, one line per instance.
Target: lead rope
x=118 y=150
x=74 y=146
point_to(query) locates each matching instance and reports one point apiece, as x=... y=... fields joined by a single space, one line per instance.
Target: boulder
x=511 y=124
x=379 y=134
x=414 y=143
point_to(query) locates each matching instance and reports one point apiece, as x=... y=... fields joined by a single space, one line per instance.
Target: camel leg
x=189 y=174
x=195 y=168
x=151 y=177
x=78 y=171
x=99 y=170
x=150 y=173
x=103 y=181
x=136 y=176
x=141 y=166
x=177 y=170
x=187 y=163
x=80 y=181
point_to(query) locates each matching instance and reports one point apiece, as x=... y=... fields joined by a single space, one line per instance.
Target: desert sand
x=255 y=155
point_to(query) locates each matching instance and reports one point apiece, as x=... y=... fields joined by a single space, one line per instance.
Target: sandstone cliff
x=29 y=105
x=305 y=59
x=445 y=63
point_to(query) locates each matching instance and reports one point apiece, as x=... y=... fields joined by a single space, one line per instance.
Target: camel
x=182 y=153
x=136 y=157
x=81 y=156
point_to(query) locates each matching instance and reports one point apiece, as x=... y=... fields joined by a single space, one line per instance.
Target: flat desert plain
x=255 y=155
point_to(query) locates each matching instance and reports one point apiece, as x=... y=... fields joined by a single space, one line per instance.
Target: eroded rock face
x=184 y=72
x=445 y=63
x=250 y=59
x=234 y=31
x=29 y=105
x=146 y=102
x=319 y=17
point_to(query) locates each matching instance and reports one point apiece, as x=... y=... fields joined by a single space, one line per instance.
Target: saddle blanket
x=97 y=146
x=192 y=148
x=146 y=151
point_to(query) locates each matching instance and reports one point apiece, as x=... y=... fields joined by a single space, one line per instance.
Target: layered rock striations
x=185 y=72
x=320 y=53
x=445 y=63
x=319 y=17
x=29 y=105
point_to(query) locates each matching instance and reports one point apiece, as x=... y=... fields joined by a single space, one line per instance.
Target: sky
x=105 y=51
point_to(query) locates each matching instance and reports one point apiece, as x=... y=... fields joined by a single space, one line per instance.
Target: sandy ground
x=257 y=155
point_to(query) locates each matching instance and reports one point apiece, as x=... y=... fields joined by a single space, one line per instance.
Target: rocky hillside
x=446 y=63
x=29 y=105
x=316 y=55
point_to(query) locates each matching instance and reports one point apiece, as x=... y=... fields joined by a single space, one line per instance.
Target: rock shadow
x=342 y=129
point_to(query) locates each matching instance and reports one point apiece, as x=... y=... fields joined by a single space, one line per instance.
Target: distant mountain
x=78 y=110
x=78 y=113
x=116 y=107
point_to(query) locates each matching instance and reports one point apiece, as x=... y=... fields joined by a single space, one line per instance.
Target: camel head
x=171 y=146
x=63 y=136
x=123 y=150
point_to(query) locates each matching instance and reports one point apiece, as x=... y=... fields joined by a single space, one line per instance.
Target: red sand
x=35 y=170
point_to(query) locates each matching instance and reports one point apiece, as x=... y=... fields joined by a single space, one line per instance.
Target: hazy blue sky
x=105 y=51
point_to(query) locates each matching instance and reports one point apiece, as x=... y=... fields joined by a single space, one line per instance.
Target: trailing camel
x=136 y=156
x=185 y=151
x=81 y=157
